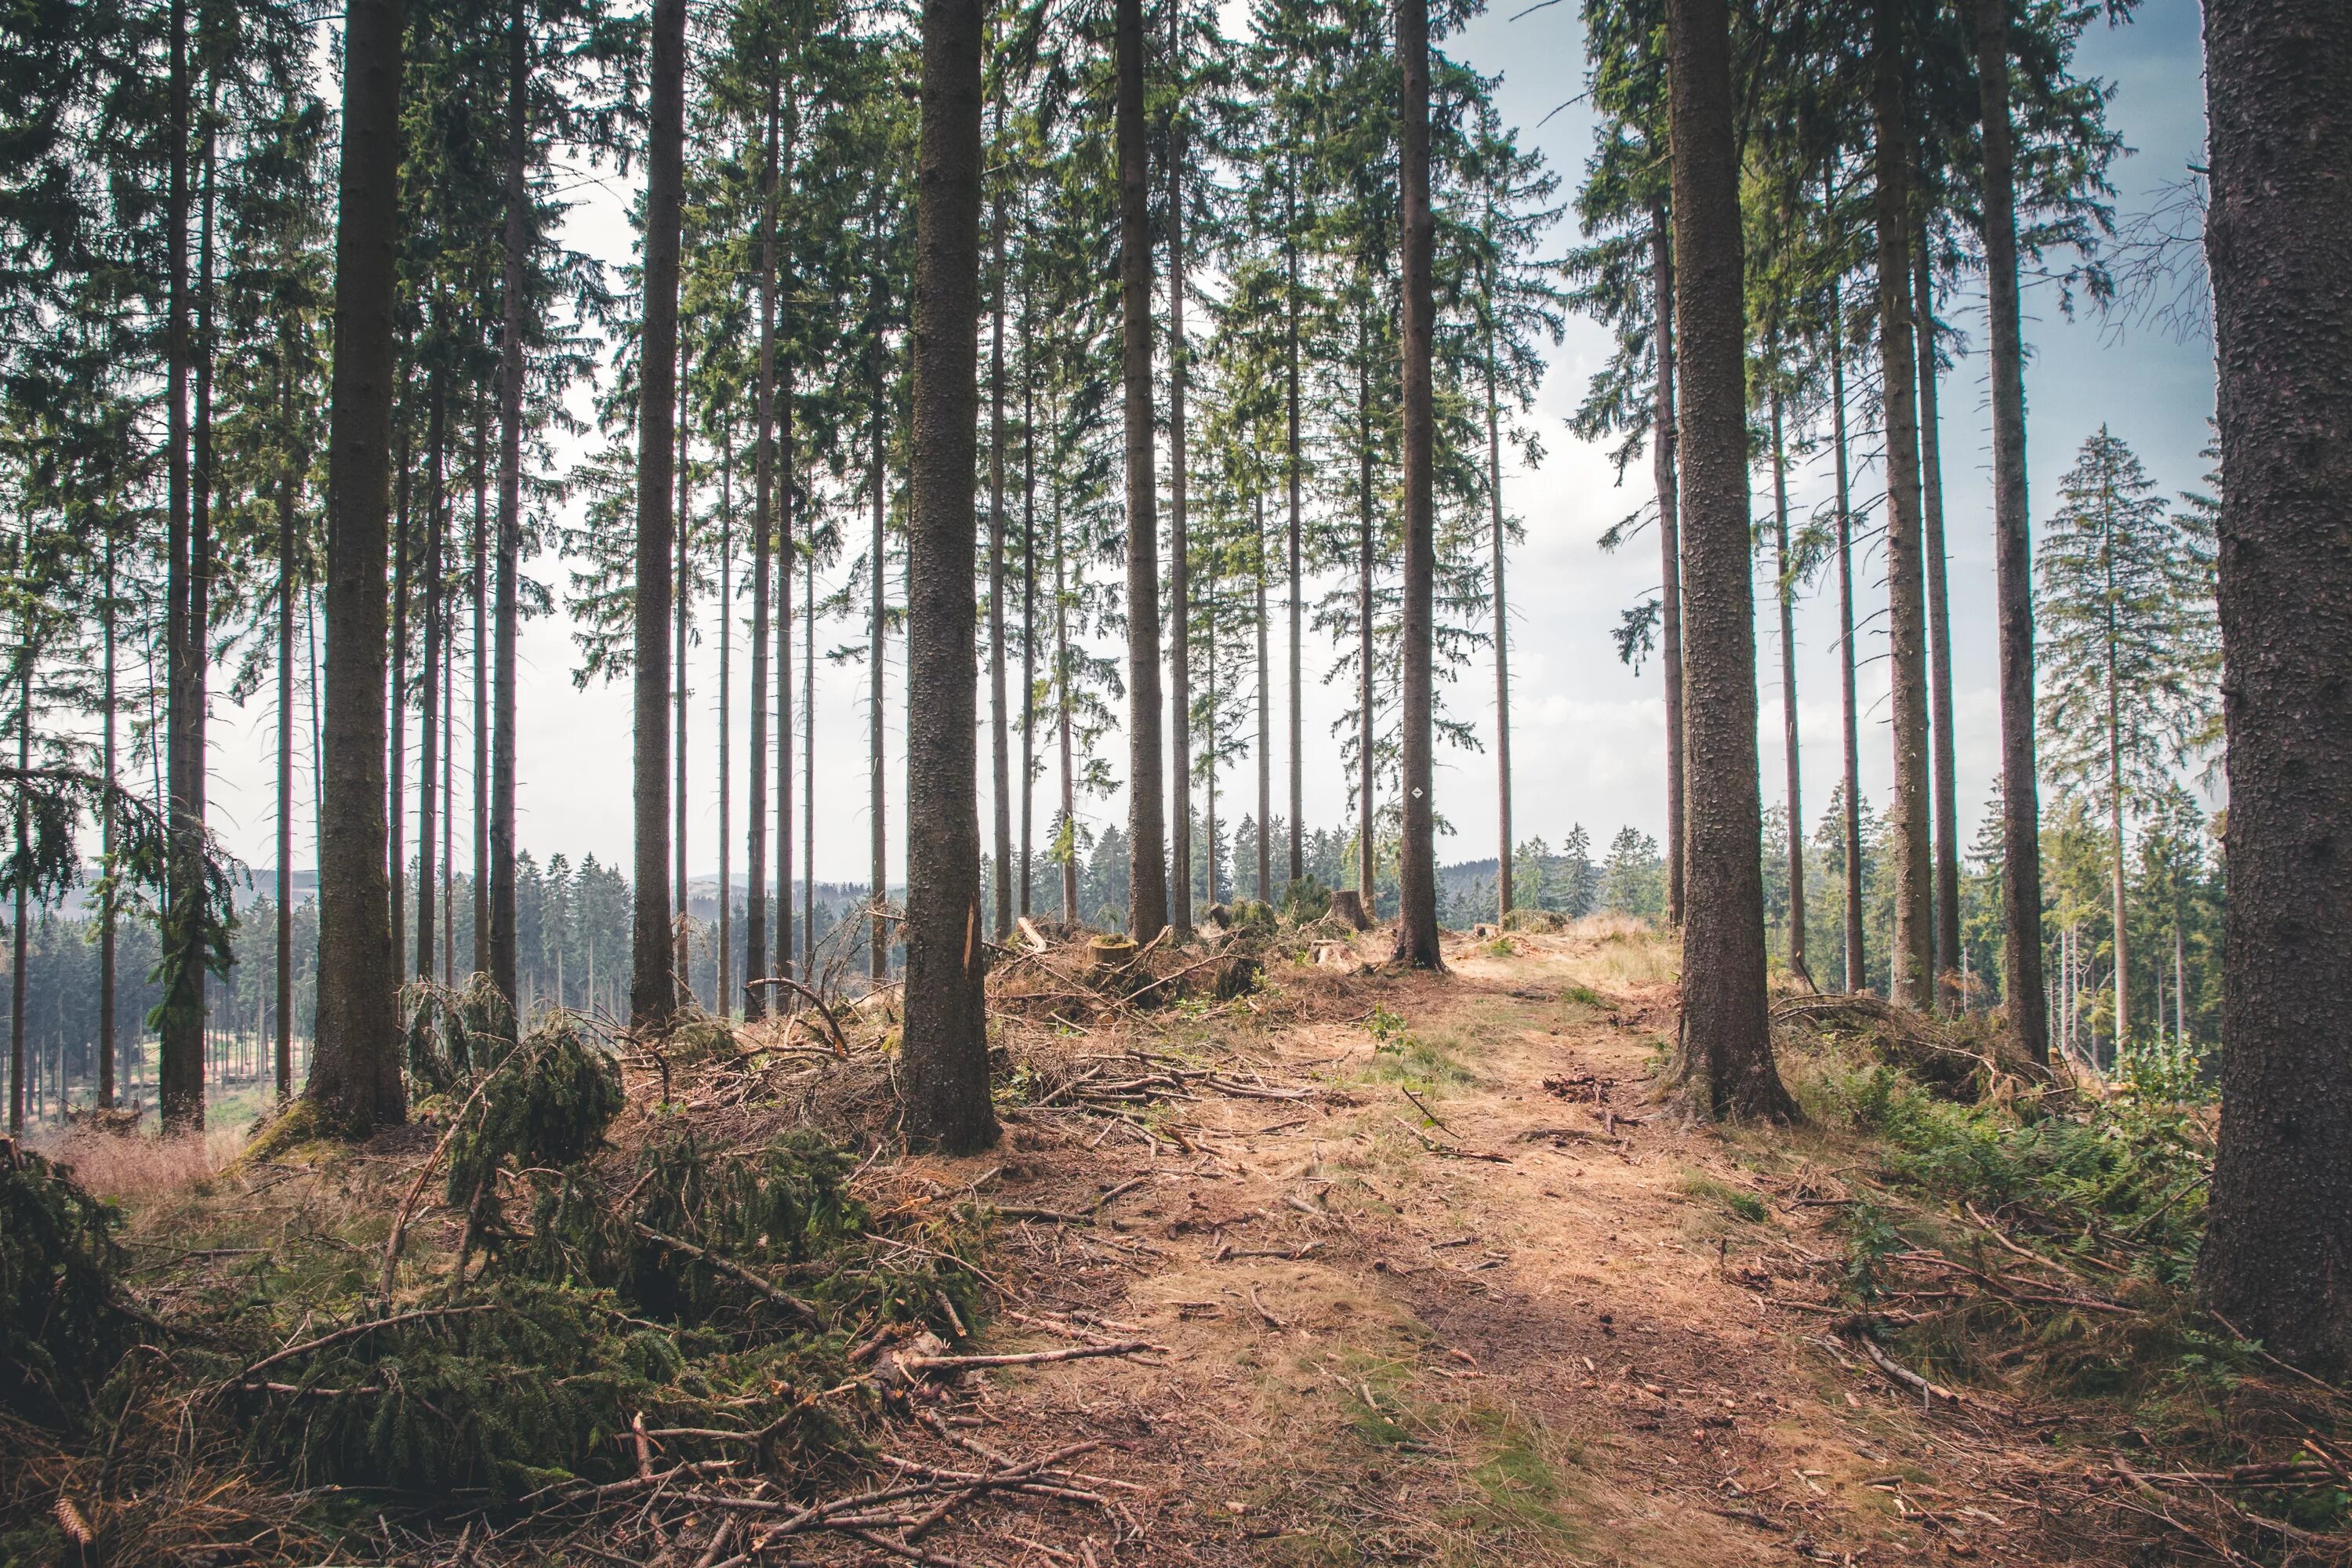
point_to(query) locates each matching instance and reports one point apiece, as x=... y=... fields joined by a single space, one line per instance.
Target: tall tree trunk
x=286 y=483
x=1028 y=600
x=1416 y=942
x=808 y=748
x=2023 y=1002
x=1502 y=646
x=1066 y=834
x=1665 y=435
x=508 y=610
x=2278 y=1252
x=787 y=505
x=763 y=534
x=2115 y=825
x=180 y=1069
x=24 y=851
x=723 y=991
x=355 y=1059
x=877 y=939
x=1857 y=970
x=448 y=677
x=682 y=618
x=652 y=994
x=1913 y=959
x=1941 y=760
x=1264 y=709
x=108 y=1046
x=1724 y=1011
x=1785 y=593
x=1366 y=691
x=999 y=721
x=1147 y=846
x=478 y=585
x=1180 y=547
x=428 y=738
x=396 y=784
x=1292 y=477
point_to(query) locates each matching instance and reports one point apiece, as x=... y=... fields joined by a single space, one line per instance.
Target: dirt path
x=1523 y=1320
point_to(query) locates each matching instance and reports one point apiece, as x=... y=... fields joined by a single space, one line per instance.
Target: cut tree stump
x=1348 y=907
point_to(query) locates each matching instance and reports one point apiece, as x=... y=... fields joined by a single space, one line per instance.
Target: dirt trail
x=1524 y=1320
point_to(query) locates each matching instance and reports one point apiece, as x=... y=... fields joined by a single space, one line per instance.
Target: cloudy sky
x=1589 y=735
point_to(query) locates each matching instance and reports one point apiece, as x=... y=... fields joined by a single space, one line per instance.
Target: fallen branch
x=840 y=1040
x=1023 y=1358
x=354 y=1330
x=734 y=1271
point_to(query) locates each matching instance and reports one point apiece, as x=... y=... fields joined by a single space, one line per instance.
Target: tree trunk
x=1665 y=435
x=2278 y=1250
x=1146 y=847
x=1066 y=836
x=877 y=939
x=1724 y=1011
x=1942 y=763
x=24 y=853
x=179 y=1076
x=763 y=534
x=1180 y=548
x=1265 y=710
x=108 y=1048
x=396 y=784
x=1857 y=970
x=286 y=483
x=2022 y=998
x=682 y=625
x=1501 y=646
x=1416 y=942
x=478 y=585
x=787 y=497
x=355 y=1058
x=652 y=994
x=943 y=1062
x=723 y=991
x=808 y=747
x=1028 y=601
x=429 y=739
x=1913 y=959
x=507 y=611
x=1786 y=595
x=999 y=721
x=1293 y=476
x=1367 y=732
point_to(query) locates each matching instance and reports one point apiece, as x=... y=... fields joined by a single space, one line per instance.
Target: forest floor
x=1352 y=1266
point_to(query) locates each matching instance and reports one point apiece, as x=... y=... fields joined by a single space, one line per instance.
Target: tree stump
x=1111 y=961
x=1348 y=907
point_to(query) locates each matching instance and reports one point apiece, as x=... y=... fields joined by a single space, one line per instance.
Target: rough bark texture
x=1942 y=763
x=877 y=935
x=1416 y=942
x=179 y=1047
x=1293 y=476
x=682 y=626
x=2278 y=1253
x=478 y=585
x=764 y=537
x=1180 y=548
x=355 y=1083
x=428 y=736
x=1724 y=1012
x=1264 y=709
x=943 y=1064
x=1000 y=731
x=508 y=610
x=1913 y=959
x=724 y=1001
x=652 y=985
x=2024 y=1003
x=1785 y=596
x=1367 y=689
x=1857 y=972
x=282 y=1059
x=1664 y=439
x=1147 y=837
x=1502 y=647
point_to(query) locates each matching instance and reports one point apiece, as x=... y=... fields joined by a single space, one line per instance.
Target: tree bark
x=1180 y=547
x=1913 y=959
x=723 y=991
x=355 y=1081
x=1724 y=1011
x=108 y=1046
x=507 y=611
x=652 y=991
x=1502 y=643
x=764 y=535
x=180 y=1049
x=1416 y=942
x=1028 y=601
x=1147 y=848
x=1664 y=436
x=1857 y=970
x=1366 y=691
x=1293 y=476
x=787 y=499
x=1942 y=763
x=2023 y=1001
x=877 y=939
x=480 y=587
x=682 y=624
x=999 y=721
x=1264 y=709
x=287 y=488
x=944 y=1059
x=1785 y=594
x=396 y=784
x=2278 y=1252
x=1066 y=836
x=428 y=738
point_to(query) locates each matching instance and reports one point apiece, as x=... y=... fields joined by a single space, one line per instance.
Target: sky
x=1588 y=734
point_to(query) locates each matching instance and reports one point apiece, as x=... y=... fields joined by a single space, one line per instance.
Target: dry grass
x=133 y=1167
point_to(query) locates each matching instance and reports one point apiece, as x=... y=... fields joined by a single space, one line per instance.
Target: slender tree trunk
x=355 y=1060
x=724 y=993
x=1366 y=691
x=2277 y=1258
x=1786 y=594
x=507 y=611
x=1292 y=477
x=24 y=853
x=396 y=784
x=787 y=508
x=652 y=994
x=943 y=1063
x=877 y=940
x=1663 y=437
x=1264 y=709
x=1066 y=836
x=286 y=482
x=2115 y=815
x=2021 y=882
x=448 y=677
x=763 y=534
x=999 y=721
x=1724 y=1012
x=1146 y=847
x=1942 y=763
x=1857 y=972
x=682 y=618
x=478 y=585
x=1501 y=646
x=1028 y=601
x=1912 y=960
x=808 y=752
x=1416 y=942
x=107 y=1045
x=1180 y=547
x=179 y=1077
x=429 y=739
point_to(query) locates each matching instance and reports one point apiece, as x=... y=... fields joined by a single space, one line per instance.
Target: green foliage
x=548 y=1106
x=60 y=1328
x=1305 y=898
